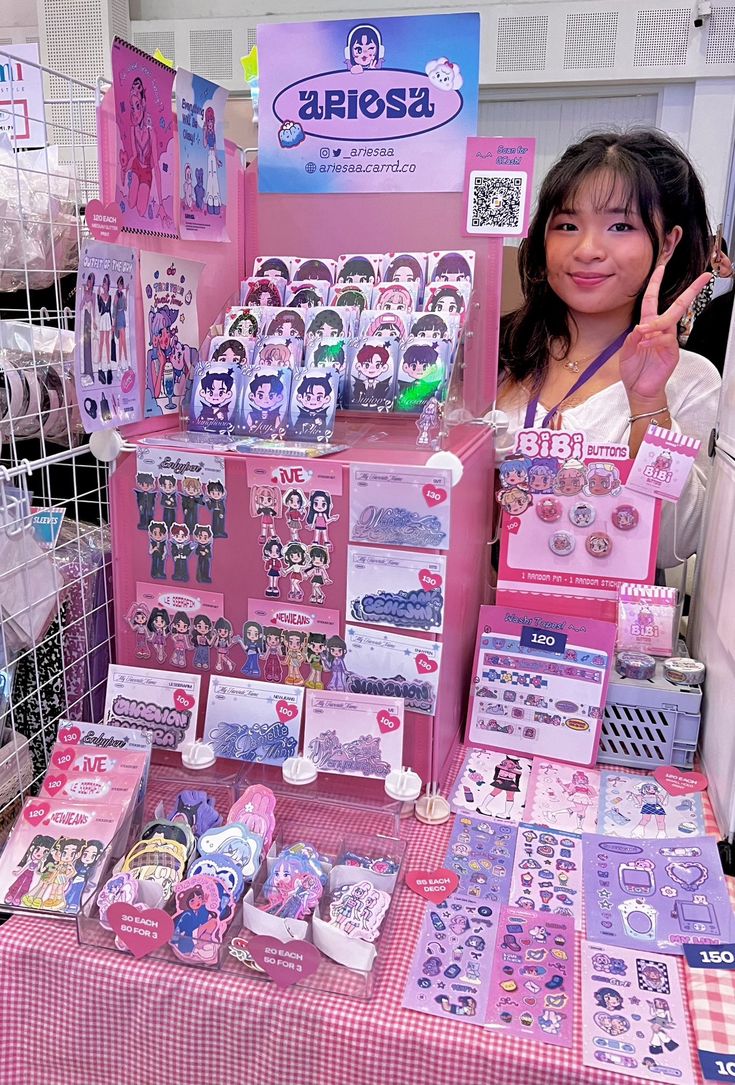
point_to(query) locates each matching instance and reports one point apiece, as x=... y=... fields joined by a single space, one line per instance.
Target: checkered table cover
x=72 y=1015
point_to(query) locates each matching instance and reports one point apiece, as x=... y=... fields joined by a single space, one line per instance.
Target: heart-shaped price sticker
x=285 y=962
x=433 y=495
x=70 y=735
x=513 y=525
x=286 y=711
x=62 y=759
x=429 y=581
x=387 y=722
x=424 y=665
x=183 y=701
x=36 y=812
x=677 y=782
x=143 y=931
x=433 y=885
x=103 y=220
x=52 y=785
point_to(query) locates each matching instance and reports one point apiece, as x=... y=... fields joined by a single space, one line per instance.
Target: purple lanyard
x=588 y=373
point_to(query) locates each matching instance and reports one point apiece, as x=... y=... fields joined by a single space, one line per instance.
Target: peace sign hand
x=650 y=354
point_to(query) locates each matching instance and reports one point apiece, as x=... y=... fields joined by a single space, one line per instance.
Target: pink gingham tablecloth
x=72 y=1015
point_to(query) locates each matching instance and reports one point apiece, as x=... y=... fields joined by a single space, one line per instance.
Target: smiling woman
x=615 y=254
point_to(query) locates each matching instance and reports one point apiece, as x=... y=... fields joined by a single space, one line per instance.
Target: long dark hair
x=658 y=179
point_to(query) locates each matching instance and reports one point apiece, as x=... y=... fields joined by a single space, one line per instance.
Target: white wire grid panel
x=55 y=617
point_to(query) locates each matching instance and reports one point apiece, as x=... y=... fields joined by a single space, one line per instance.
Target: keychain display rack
x=55 y=622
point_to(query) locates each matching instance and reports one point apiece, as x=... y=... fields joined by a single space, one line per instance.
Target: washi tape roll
x=635 y=665
x=684 y=672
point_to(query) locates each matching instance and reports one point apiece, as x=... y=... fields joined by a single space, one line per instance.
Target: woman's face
x=320 y=505
x=364 y=52
x=137 y=109
x=598 y=259
x=444 y=305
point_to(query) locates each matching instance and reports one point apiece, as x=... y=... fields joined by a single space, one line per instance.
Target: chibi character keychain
x=215 y=497
x=181 y=548
x=137 y=619
x=318 y=572
x=428 y=423
x=202 y=535
x=320 y=516
x=157 y=547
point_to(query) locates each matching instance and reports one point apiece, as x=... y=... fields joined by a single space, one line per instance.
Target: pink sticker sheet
x=547 y=873
x=401 y=506
x=540 y=682
x=162 y=703
x=638 y=807
x=492 y=784
x=532 y=986
x=563 y=796
x=634 y=1019
x=663 y=463
x=200 y=107
x=497 y=186
x=173 y=625
x=74 y=761
x=353 y=734
x=145 y=176
x=253 y=721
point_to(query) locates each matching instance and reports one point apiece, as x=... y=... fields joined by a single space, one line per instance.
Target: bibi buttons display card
x=162 y=703
x=563 y=796
x=636 y=806
x=658 y=894
x=402 y=590
x=532 y=983
x=352 y=734
x=386 y=664
x=400 y=506
x=540 y=682
x=547 y=872
x=492 y=784
x=634 y=1020
x=253 y=721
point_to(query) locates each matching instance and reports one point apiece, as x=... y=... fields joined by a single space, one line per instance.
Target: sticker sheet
x=540 y=683
x=634 y=1018
x=532 y=984
x=547 y=872
x=169 y=290
x=387 y=664
x=658 y=894
x=144 y=186
x=492 y=784
x=451 y=968
x=400 y=506
x=298 y=646
x=481 y=854
x=106 y=371
x=563 y=796
x=200 y=108
x=637 y=806
x=352 y=734
x=161 y=703
x=253 y=721
x=402 y=590
x=180 y=627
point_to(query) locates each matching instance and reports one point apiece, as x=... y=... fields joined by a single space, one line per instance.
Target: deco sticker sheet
x=634 y=1020
x=387 y=664
x=352 y=734
x=481 y=854
x=563 y=796
x=634 y=806
x=540 y=682
x=396 y=588
x=547 y=872
x=400 y=506
x=253 y=721
x=492 y=784
x=163 y=704
x=656 y=894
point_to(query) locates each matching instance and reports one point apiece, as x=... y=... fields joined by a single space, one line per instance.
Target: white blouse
x=692 y=394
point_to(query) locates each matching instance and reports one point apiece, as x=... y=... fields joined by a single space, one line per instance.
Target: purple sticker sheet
x=563 y=796
x=633 y=1014
x=635 y=806
x=481 y=853
x=492 y=784
x=658 y=894
x=451 y=968
x=547 y=872
x=532 y=983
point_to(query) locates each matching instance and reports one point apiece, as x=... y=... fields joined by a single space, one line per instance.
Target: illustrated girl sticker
x=448 y=300
x=396 y=297
x=295 y=657
x=158 y=631
x=357 y=270
x=306 y=296
x=137 y=619
x=662 y=1024
x=261 y=292
x=651 y=799
x=223 y=642
x=89 y=325
x=317 y=573
x=202 y=638
x=273 y=656
x=83 y=868
x=384 y=325
x=265 y=504
x=244 y=325
x=451 y=267
x=252 y=645
x=506 y=781
x=180 y=638
x=336 y=652
x=315 y=657
x=119 y=320
x=317 y=270
x=294 y=511
x=30 y=865
x=404 y=268
x=364 y=50
x=272 y=267
x=209 y=138
x=273 y=562
x=320 y=517
x=294 y=558
x=326 y=326
x=428 y=424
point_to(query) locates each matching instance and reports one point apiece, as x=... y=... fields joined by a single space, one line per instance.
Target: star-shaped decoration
x=635 y=1001
x=250 y=65
x=158 y=55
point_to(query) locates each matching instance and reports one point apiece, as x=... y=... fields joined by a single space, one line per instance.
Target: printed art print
x=145 y=183
x=169 y=292
x=200 y=107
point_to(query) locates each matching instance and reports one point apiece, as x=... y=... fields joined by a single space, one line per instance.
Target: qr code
x=496 y=202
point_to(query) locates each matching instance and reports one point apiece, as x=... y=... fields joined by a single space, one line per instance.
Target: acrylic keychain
x=384 y=324
x=231 y=351
x=313 y=269
x=371 y=375
x=216 y=393
x=422 y=375
x=307 y=294
x=405 y=267
x=396 y=297
x=278 y=351
x=246 y=322
x=236 y=841
x=196 y=808
x=225 y=871
x=292 y=889
x=358 y=910
x=198 y=929
x=327 y=325
x=354 y=297
x=358 y=269
x=451 y=267
x=256 y=808
x=286 y=324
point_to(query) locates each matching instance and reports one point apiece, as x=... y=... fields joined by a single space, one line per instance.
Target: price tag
x=722 y=957
x=717 y=1065
x=543 y=640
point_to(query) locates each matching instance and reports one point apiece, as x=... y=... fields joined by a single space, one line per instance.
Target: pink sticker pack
x=115 y=789
x=563 y=796
x=353 y=734
x=164 y=704
x=634 y=1019
x=492 y=784
x=663 y=463
x=547 y=873
x=383 y=662
x=497 y=186
x=171 y=623
x=647 y=619
x=532 y=986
